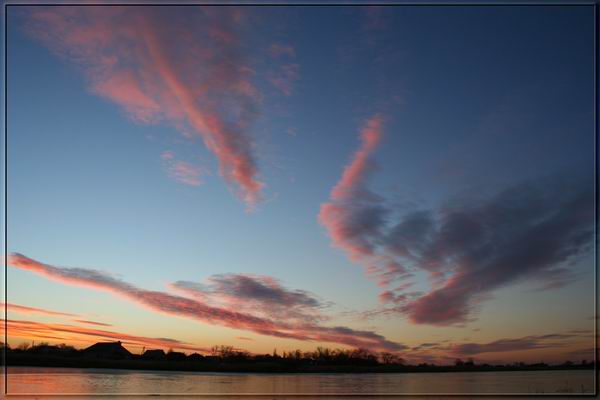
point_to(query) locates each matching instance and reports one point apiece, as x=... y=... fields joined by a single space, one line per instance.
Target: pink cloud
x=198 y=309
x=553 y=340
x=31 y=329
x=256 y=294
x=531 y=231
x=354 y=216
x=356 y=173
x=34 y=310
x=182 y=171
x=83 y=321
x=284 y=78
x=198 y=82
x=123 y=88
x=346 y=222
x=277 y=50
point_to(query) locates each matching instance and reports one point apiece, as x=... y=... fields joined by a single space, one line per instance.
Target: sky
x=407 y=179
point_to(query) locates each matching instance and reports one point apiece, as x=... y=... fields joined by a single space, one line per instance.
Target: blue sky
x=474 y=99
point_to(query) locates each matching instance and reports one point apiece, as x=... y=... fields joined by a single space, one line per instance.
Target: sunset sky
x=417 y=180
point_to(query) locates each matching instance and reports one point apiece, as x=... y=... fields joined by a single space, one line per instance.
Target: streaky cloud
x=518 y=344
x=258 y=294
x=85 y=321
x=182 y=171
x=35 y=310
x=532 y=231
x=527 y=232
x=32 y=329
x=350 y=217
x=277 y=50
x=355 y=216
x=284 y=77
x=203 y=87
x=197 y=309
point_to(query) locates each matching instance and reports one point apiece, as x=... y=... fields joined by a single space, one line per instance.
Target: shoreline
x=265 y=368
x=209 y=372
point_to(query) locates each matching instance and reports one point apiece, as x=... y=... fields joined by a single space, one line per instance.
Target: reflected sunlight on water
x=25 y=380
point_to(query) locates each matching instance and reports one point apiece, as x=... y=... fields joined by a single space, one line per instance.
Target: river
x=34 y=380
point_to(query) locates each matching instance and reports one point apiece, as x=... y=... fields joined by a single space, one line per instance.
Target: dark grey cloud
x=534 y=231
x=527 y=232
x=258 y=294
x=295 y=325
x=518 y=344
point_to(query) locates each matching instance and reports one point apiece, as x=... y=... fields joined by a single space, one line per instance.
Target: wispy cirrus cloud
x=355 y=216
x=283 y=73
x=514 y=344
x=527 y=232
x=200 y=82
x=470 y=247
x=84 y=321
x=284 y=78
x=34 y=310
x=182 y=171
x=32 y=329
x=200 y=310
x=258 y=294
x=551 y=347
x=422 y=346
x=42 y=311
x=277 y=50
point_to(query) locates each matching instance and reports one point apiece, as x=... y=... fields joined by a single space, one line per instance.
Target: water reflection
x=90 y=381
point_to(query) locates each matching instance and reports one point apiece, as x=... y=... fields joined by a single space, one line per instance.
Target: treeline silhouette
x=229 y=359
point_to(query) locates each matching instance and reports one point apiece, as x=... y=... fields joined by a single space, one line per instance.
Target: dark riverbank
x=35 y=360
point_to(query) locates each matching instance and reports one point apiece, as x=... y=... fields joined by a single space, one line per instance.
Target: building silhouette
x=153 y=355
x=110 y=350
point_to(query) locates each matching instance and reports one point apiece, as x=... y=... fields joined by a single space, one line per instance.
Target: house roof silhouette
x=108 y=350
x=154 y=354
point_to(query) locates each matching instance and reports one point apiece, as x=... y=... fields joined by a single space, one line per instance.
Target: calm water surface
x=33 y=380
